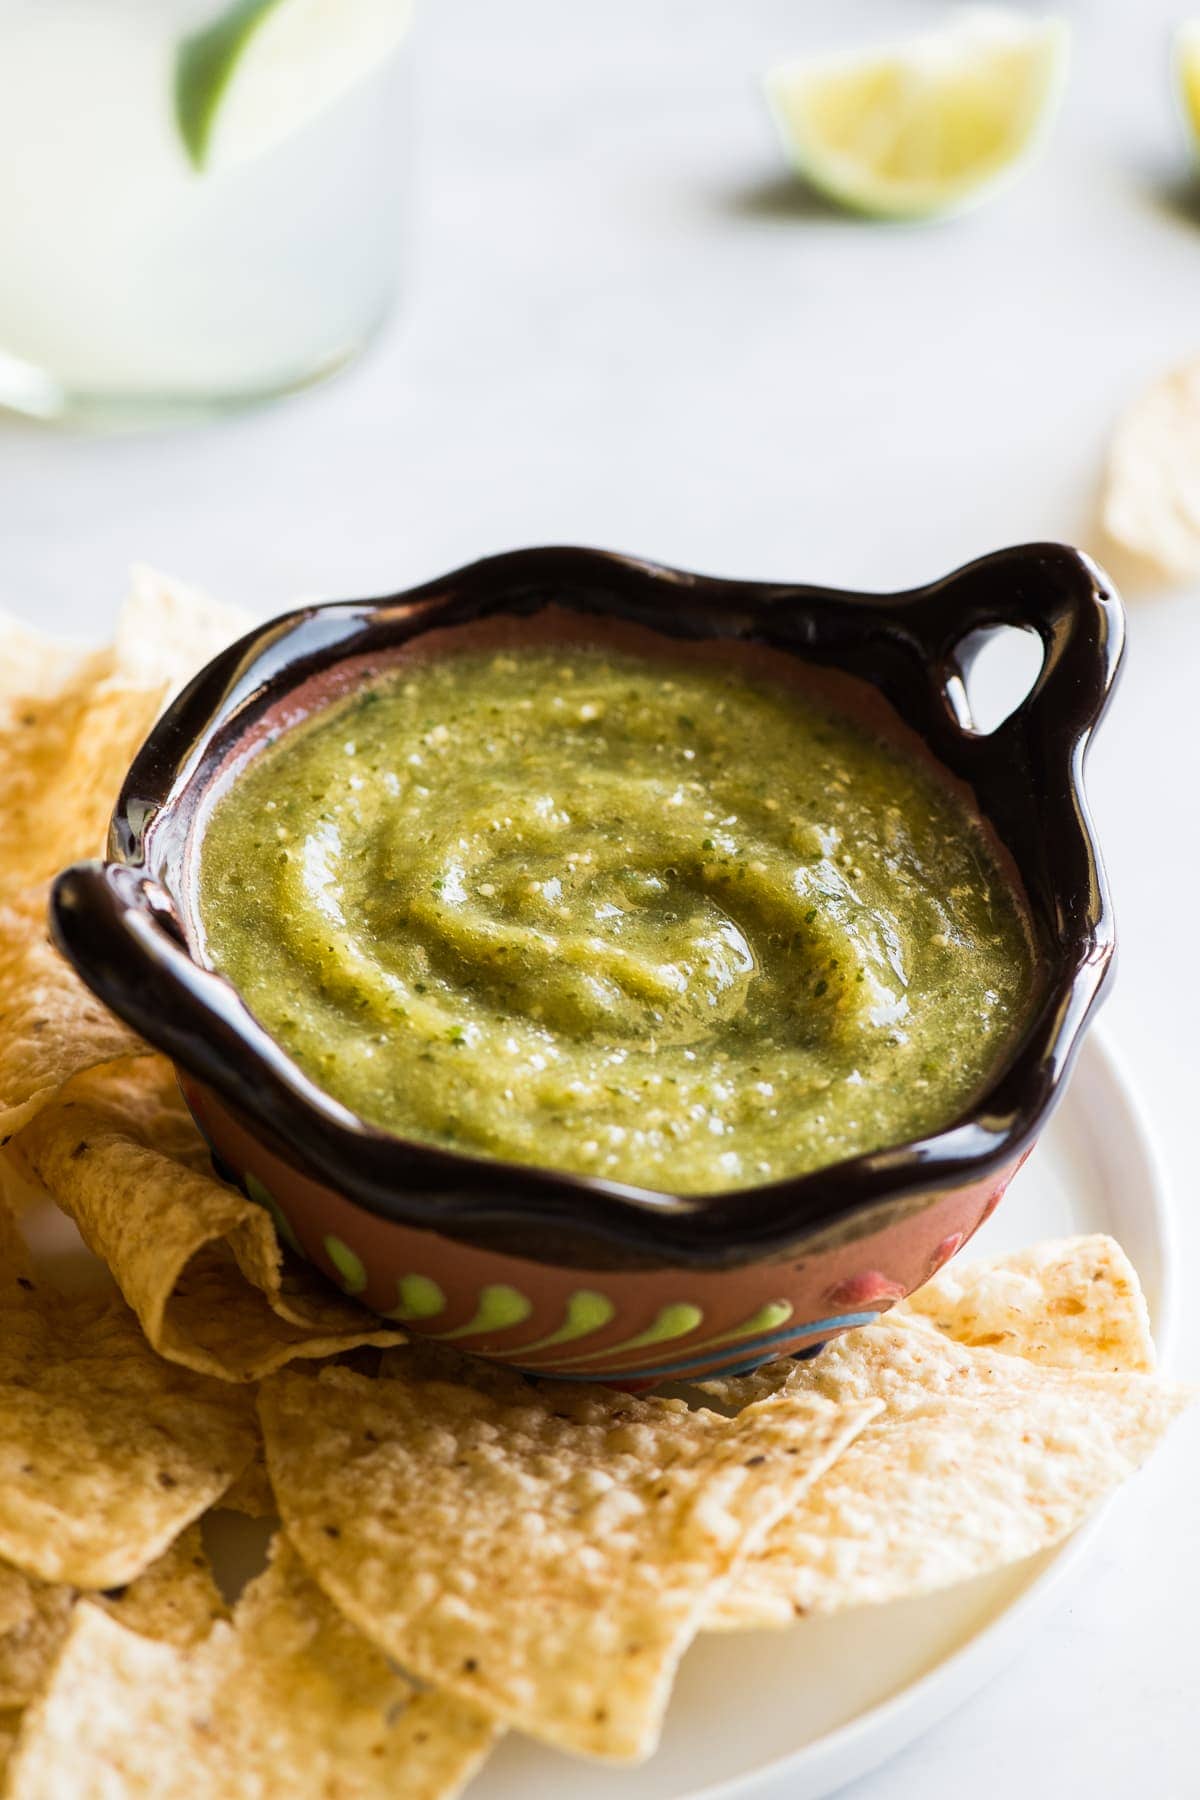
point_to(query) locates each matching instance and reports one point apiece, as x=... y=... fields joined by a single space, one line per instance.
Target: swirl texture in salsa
x=665 y=922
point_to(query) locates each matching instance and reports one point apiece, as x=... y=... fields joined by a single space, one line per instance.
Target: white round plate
x=799 y=1713
x=793 y=1715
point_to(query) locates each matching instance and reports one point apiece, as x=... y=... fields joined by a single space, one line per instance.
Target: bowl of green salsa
x=619 y=973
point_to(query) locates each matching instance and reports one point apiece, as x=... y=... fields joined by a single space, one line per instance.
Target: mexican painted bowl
x=565 y=1274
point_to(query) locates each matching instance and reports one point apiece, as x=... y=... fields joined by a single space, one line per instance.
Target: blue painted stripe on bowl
x=769 y=1340
x=713 y=1366
x=802 y=1355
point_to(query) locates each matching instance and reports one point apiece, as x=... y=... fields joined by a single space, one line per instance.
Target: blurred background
x=620 y=320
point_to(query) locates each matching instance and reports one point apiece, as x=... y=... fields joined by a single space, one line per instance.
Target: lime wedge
x=926 y=127
x=264 y=68
x=1185 y=58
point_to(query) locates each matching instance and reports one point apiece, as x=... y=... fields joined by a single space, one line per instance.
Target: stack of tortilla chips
x=458 y=1551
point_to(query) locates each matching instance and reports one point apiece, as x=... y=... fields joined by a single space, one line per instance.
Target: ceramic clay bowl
x=563 y=1274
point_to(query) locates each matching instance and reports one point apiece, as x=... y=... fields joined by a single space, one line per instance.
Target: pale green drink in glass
x=200 y=203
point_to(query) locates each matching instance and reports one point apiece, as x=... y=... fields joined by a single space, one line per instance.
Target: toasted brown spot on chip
x=1073 y=1303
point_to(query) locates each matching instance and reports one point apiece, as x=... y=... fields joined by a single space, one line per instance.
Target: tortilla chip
x=51 y=1026
x=1075 y=1303
x=252 y=1494
x=545 y=1553
x=289 y=1699
x=66 y=740
x=10 y=1724
x=106 y=1451
x=347 y=1707
x=60 y=767
x=1070 y=1303
x=1151 y=501
x=70 y=722
x=979 y=1459
x=733 y=1392
x=34 y=1617
x=175 y=1599
x=33 y=664
x=199 y=1263
x=15 y=1608
x=167 y=630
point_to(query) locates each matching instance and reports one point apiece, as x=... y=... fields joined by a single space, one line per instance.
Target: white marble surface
x=625 y=328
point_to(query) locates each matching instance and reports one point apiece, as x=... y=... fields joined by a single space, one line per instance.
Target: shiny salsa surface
x=658 y=920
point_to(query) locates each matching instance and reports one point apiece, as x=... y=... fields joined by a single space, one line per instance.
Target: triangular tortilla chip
x=175 y=1599
x=60 y=769
x=106 y=1451
x=1069 y=1303
x=70 y=722
x=289 y=1699
x=251 y=1494
x=199 y=1263
x=168 y=629
x=1151 y=502
x=1072 y=1303
x=979 y=1459
x=51 y=1026
x=33 y=664
x=34 y=1617
x=542 y=1552
x=68 y=736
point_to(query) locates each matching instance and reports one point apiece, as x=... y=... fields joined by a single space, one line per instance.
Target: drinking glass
x=201 y=201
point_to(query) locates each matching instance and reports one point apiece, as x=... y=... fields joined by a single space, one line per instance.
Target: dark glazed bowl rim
x=120 y=923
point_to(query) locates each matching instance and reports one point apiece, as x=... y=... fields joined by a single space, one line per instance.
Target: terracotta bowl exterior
x=564 y=1275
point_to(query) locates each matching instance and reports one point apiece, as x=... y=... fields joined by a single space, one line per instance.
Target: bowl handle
x=1067 y=600
x=118 y=929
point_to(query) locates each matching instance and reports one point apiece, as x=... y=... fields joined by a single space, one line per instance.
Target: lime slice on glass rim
x=263 y=68
x=926 y=127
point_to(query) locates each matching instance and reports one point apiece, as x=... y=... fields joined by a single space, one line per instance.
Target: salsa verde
x=658 y=920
